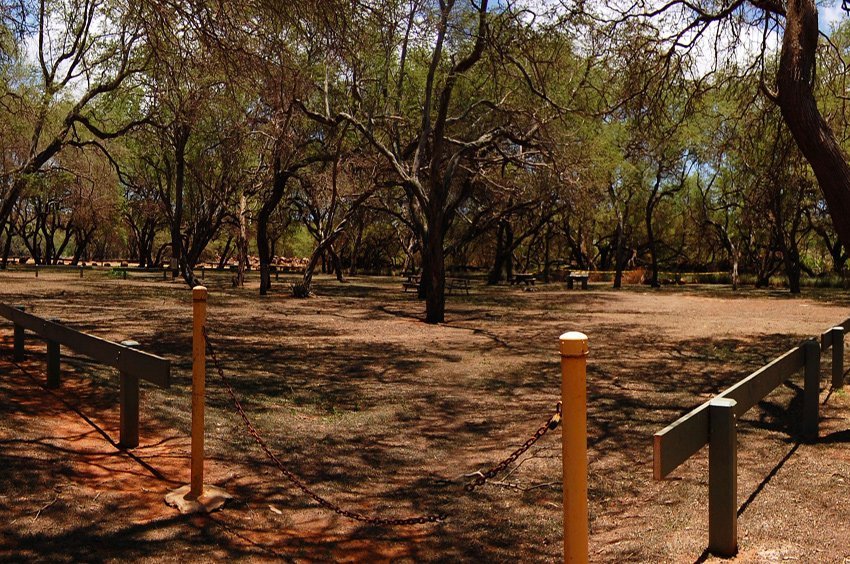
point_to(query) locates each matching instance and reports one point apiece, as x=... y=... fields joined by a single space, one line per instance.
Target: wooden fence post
x=722 y=478
x=574 y=351
x=18 y=350
x=53 y=368
x=837 y=357
x=811 y=390
x=129 y=405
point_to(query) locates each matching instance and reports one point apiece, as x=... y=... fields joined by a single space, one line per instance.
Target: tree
x=86 y=50
x=794 y=80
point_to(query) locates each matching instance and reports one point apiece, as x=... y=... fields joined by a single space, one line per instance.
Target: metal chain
x=550 y=425
x=503 y=465
x=324 y=502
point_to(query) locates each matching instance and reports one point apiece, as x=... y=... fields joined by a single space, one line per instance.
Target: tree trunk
x=336 y=263
x=546 y=251
x=619 y=257
x=651 y=243
x=264 y=249
x=509 y=251
x=7 y=247
x=839 y=257
x=242 y=241
x=307 y=279
x=495 y=275
x=795 y=80
x=225 y=253
x=11 y=199
x=736 y=258
x=179 y=264
x=324 y=247
x=352 y=270
x=793 y=270
x=434 y=273
x=82 y=243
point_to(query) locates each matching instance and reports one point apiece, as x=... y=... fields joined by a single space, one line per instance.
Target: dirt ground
x=385 y=415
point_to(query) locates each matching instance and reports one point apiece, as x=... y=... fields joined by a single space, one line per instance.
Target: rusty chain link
x=551 y=424
x=324 y=502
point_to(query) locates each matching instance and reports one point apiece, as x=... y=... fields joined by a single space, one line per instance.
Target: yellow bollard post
x=196 y=496
x=574 y=436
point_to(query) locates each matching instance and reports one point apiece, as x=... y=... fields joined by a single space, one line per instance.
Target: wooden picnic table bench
x=580 y=275
x=411 y=283
x=457 y=284
x=523 y=278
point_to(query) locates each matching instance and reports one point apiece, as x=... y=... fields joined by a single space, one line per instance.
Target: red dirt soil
x=384 y=413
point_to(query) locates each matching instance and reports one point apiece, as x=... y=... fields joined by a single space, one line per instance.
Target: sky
x=830 y=14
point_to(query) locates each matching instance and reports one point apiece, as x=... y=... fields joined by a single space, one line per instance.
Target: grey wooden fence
x=132 y=364
x=714 y=423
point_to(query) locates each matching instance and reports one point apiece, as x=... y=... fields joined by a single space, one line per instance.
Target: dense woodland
x=418 y=135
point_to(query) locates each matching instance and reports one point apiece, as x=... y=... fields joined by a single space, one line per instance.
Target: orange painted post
x=199 y=358
x=197 y=496
x=574 y=436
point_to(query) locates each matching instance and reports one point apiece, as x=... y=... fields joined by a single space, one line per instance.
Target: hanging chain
x=324 y=502
x=550 y=425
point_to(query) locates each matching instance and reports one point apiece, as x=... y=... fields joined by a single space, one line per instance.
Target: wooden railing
x=714 y=423
x=132 y=364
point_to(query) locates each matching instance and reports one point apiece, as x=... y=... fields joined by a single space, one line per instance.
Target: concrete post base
x=211 y=498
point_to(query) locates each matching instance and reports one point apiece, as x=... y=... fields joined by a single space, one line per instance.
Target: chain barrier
x=551 y=424
x=324 y=502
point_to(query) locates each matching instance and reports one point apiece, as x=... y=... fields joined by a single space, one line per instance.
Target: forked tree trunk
x=264 y=249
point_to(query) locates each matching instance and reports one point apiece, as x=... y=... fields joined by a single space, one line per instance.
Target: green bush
x=301 y=290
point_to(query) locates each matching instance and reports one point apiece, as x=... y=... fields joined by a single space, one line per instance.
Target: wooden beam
x=146 y=366
x=680 y=440
x=826 y=339
x=752 y=389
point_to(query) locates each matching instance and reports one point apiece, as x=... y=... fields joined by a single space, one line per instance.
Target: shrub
x=301 y=290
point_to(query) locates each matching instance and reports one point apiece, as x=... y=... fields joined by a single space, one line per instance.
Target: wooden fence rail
x=132 y=364
x=713 y=424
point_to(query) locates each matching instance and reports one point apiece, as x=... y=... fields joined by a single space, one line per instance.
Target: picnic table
x=580 y=275
x=523 y=278
x=457 y=284
x=412 y=282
